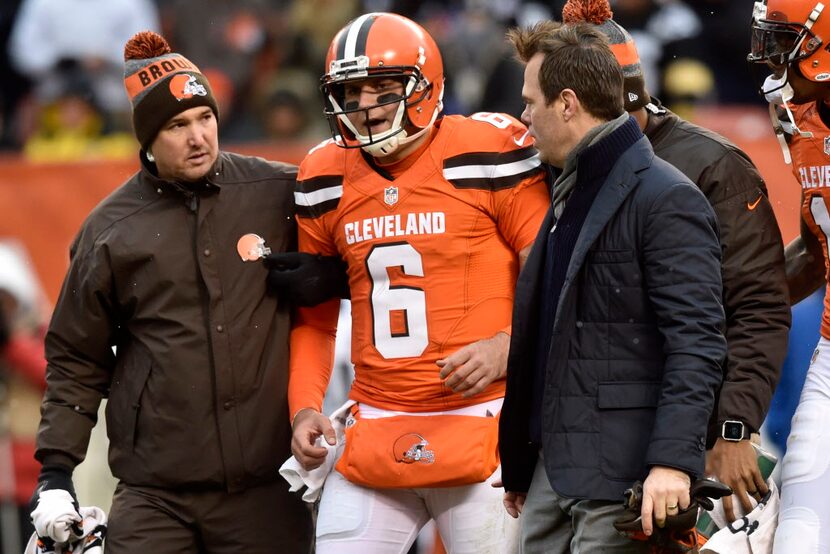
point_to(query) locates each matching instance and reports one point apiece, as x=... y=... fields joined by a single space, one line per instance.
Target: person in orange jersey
x=789 y=40
x=433 y=216
x=161 y=313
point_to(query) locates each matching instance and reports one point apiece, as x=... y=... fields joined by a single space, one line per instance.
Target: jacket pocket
x=124 y=404
x=626 y=420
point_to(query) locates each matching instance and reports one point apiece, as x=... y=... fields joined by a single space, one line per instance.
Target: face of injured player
x=376 y=101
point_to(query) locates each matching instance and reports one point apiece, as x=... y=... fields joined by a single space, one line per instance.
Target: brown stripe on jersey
x=490 y=158
x=317 y=210
x=498 y=183
x=321 y=182
x=312 y=185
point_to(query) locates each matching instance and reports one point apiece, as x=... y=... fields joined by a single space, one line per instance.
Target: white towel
x=749 y=534
x=89 y=542
x=298 y=477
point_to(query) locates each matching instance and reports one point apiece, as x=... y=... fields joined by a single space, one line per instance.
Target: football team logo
x=412 y=448
x=185 y=86
x=827 y=145
x=390 y=195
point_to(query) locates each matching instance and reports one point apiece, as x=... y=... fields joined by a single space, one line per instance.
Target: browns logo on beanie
x=161 y=84
x=598 y=13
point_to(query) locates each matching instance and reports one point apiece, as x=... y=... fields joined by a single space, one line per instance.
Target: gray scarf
x=566 y=181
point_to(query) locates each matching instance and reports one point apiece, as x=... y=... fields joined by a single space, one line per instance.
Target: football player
x=791 y=37
x=432 y=215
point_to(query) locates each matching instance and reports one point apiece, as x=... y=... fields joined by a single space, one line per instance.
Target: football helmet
x=383 y=45
x=791 y=33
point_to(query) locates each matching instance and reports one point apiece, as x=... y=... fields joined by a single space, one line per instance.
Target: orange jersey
x=811 y=166
x=431 y=256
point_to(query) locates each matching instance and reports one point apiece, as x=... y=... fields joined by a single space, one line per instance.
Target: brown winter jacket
x=755 y=296
x=198 y=381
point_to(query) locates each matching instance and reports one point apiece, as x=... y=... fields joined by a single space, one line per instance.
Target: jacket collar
x=661 y=121
x=148 y=175
x=617 y=186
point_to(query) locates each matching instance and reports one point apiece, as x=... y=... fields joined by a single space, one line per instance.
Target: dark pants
x=552 y=524
x=260 y=520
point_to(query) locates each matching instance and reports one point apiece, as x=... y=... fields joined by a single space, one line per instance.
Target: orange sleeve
x=312 y=355
x=521 y=209
x=313 y=330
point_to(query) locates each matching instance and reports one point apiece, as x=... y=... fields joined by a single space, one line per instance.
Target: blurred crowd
x=61 y=93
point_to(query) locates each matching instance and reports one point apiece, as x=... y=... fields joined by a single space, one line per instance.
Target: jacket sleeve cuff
x=60 y=459
x=683 y=454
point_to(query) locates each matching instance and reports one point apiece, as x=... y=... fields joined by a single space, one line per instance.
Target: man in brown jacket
x=160 y=314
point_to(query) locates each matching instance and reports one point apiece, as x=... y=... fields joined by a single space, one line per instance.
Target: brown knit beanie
x=161 y=84
x=598 y=12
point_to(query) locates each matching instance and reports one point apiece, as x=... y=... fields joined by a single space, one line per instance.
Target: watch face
x=733 y=430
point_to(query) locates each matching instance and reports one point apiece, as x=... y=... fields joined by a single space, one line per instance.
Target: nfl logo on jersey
x=827 y=145
x=390 y=195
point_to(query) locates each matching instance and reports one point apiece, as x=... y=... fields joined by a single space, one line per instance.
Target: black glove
x=307 y=279
x=678 y=534
x=46 y=509
x=53 y=477
x=5 y=331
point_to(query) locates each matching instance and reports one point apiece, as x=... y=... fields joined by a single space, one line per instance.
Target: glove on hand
x=678 y=534
x=307 y=279
x=54 y=506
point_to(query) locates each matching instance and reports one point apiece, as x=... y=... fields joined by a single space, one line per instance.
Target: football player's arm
x=312 y=357
x=804 y=262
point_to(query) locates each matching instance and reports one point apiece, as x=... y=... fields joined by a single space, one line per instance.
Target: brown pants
x=261 y=520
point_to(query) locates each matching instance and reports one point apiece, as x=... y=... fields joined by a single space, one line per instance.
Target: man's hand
x=306 y=279
x=471 y=369
x=735 y=464
x=665 y=491
x=514 y=503
x=54 y=506
x=677 y=534
x=309 y=424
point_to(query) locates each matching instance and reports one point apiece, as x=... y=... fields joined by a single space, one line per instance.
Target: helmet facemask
x=783 y=46
x=338 y=110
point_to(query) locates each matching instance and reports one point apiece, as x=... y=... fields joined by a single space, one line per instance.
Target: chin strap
x=780 y=134
x=392 y=144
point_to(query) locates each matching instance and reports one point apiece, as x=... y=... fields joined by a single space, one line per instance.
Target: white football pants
x=804 y=516
x=359 y=520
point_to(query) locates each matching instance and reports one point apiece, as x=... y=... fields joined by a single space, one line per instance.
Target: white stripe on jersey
x=491 y=171
x=351 y=38
x=317 y=196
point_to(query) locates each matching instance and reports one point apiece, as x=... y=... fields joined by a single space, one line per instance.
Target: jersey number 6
x=407 y=304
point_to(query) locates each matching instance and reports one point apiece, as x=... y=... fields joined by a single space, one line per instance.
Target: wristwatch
x=734 y=431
